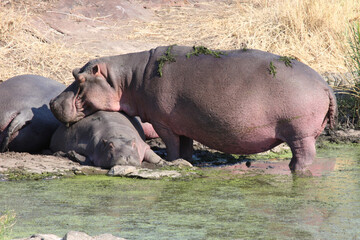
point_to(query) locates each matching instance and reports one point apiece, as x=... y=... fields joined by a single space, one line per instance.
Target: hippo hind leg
x=303 y=151
x=186 y=148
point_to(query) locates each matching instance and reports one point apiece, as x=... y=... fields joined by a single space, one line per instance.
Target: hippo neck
x=127 y=74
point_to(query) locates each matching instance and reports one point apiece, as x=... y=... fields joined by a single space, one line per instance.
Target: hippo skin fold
x=26 y=122
x=241 y=101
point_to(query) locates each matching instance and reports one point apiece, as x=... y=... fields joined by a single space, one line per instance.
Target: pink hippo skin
x=242 y=102
x=148 y=129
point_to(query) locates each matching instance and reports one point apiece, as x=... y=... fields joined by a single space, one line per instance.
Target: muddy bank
x=73 y=235
x=17 y=166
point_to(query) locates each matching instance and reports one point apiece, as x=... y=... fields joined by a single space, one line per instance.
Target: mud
x=263 y=163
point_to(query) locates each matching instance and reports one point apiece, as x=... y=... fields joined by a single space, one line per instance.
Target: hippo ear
x=111 y=145
x=100 y=70
x=75 y=72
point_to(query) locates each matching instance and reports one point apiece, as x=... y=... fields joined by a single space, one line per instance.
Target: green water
x=218 y=206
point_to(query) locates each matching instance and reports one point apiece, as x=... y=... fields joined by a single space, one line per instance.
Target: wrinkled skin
x=106 y=139
x=26 y=122
x=233 y=103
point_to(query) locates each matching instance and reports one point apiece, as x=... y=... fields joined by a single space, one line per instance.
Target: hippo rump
x=105 y=139
x=26 y=122
x=240 y=101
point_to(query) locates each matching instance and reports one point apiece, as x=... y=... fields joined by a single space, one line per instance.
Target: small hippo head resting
x=116 y=151
x=92 y=90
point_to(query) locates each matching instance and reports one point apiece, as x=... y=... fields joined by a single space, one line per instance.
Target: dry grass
x=312 y=31
x=23 y=50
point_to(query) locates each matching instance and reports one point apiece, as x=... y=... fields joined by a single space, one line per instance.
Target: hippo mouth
x=78 y=105
x=69 y=107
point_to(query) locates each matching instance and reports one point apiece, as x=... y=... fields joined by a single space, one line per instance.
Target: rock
x=180 y=163
x=41 y=237
x=122 y=170
x=131 y=171
x=107 y=237
x=72 y=235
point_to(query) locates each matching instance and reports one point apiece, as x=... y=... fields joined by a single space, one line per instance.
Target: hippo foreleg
x=151 y=157
x=19 y=121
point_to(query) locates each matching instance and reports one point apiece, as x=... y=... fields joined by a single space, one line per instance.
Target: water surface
x=221 y=205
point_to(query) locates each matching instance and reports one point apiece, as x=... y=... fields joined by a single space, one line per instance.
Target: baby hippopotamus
x=26 y=122
x=106 y=139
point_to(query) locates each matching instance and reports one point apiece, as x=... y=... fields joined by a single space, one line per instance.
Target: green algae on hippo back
x=167 y=57
x=204 y=50
x=209 y=99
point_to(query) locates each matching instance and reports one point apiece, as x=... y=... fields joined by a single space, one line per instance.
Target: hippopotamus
x=26 y=122
x=242 y=101
x=148 y=129
x=106 y=139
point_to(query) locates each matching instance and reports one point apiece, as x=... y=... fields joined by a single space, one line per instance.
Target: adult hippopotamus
x=106 y=139
x=241 y=101
x=26 y=122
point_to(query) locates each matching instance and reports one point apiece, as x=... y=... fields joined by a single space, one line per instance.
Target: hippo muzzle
x=67 y=107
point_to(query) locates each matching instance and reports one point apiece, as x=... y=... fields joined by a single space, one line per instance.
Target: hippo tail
x=332 y=112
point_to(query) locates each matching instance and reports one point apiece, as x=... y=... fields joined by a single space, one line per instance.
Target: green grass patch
x=272 y=69
x=7 y=221
x=17 y=174
x=204 y=50
x=287 y=60
x=167 y=57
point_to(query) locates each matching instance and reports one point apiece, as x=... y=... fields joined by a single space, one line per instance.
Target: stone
x=131 y=171
x=41 y=237
x=72 y=235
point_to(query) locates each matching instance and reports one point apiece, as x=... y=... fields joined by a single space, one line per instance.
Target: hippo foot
x=302 y=173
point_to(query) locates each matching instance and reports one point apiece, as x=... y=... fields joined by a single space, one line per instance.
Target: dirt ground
x=90 y=25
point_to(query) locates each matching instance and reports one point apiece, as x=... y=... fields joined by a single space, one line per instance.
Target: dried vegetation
x=311 y=31
x=24 y=50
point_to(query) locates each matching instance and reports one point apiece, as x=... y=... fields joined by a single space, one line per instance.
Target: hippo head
x=91 y=91
x=116 y=151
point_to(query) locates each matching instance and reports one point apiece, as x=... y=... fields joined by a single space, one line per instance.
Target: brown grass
x=24 y=50
x=312 y=31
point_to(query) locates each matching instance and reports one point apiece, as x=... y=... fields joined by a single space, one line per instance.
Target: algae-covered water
x=219 y=205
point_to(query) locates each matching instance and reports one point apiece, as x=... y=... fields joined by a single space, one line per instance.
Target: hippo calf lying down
x=241 y=101
x=26 y=122
x=106 y=139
